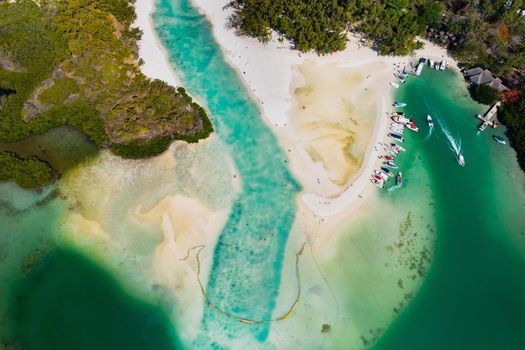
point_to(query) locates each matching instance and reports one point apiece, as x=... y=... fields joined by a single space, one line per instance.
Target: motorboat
x=397 y=130
x=399 y=179
x=500 y=139
x=381 y=174
x=430 y=122
x=390 y=165
x=395 y=85
x=412 y=126
x=387 y=171
x=389 y=158
x=399 y=104
x=378 y=183
x=398 y=147
x=396 y=136
x=461 y=160
x=400 y=119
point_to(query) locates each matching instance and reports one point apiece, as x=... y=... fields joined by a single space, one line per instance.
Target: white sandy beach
x=272 y=73
x=334 y=181
x=156 y=63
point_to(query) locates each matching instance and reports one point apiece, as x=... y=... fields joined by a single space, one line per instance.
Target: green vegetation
x=513 y=116
x=27 y=172
x=483 y=94
x=486 y=33
x=59 y=91
x=75 y=63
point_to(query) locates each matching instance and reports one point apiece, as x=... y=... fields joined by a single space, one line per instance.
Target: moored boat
x=397 y=147
x=395 y=85
x=400 y=119
x=430 y=63
x=500 y=139
x=389 y=158
x=387 y=171
x=399 y=179
x=377 y=183
x=399 y=104
x=382 y=174
x=430 y=122
x=396 y=136
x=412 y=126
x=390 y=165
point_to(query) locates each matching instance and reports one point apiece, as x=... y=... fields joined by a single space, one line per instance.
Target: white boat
x=430 y=121
x=461 y=160
x=383 y=175
x=483 y=126
x=400 y=119
x=395 y=85
x=399 y=104
x=377 y=183
x=444 y=65
x=390 y=164
x=399 y=179
x=420 y=66
x=500 y=139
x=398 y=147
x=430 y=63
x=397 y=130
x=412 y=126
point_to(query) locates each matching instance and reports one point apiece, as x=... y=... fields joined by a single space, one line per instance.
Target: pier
x=487 y=117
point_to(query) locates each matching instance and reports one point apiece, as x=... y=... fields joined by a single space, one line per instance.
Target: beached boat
x=389 y=158
x=443 y=65
x=420 y=66
x=396 y=85
x=378 y=177
x=399 y=104
x=382 y=174
x=390 y=165
x=387 y=171
x=401 y=119
x=399 y=179
x=377 y=183
x=499 y=139
x=396 y=136
x=397 y=147
x=461 y=160
x=397 y=130
x=430 y=122
x=431 y=63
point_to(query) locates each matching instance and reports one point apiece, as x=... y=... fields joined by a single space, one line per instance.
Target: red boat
x=389 y=158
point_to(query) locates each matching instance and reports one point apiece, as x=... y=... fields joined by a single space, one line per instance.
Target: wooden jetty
x=487 y=117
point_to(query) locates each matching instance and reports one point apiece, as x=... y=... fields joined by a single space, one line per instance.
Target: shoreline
x=269 y=73
x=156 y=61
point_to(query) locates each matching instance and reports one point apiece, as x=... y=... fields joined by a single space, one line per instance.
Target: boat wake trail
x=429 y=134
x=454 y=143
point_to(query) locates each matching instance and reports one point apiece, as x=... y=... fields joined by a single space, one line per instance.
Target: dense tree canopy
x=75 y=62
x=487 y=33
x=27 y=172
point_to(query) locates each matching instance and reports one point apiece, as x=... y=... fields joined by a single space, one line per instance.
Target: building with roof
x=479 y=76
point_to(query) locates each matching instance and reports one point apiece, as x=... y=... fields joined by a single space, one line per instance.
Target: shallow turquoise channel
x=246 y=272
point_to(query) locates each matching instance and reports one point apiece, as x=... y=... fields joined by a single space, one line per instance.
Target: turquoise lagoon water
x=246 y=272
x=464 y=238
x=473 y=296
